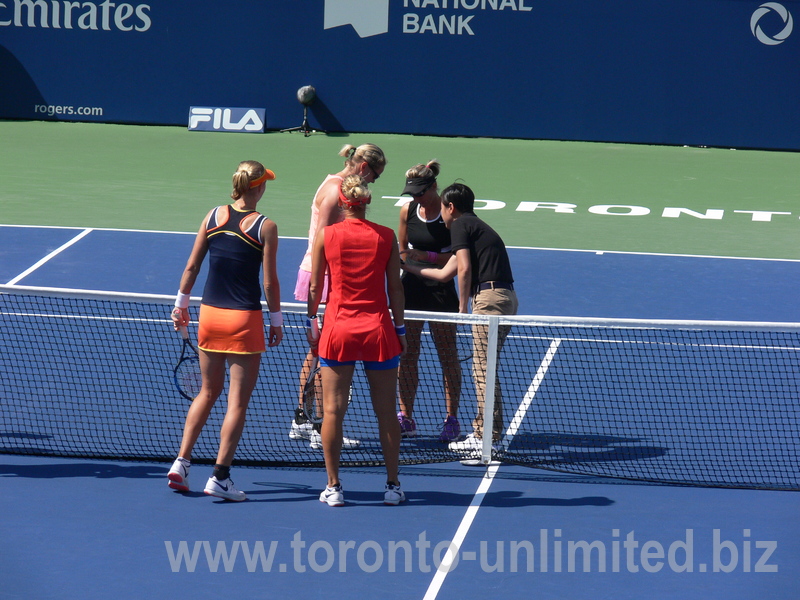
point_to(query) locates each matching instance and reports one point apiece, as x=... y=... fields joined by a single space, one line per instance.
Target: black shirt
x=487 y=252
x=430 y=236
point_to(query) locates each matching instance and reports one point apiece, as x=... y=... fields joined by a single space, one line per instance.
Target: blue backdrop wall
x=696 y=72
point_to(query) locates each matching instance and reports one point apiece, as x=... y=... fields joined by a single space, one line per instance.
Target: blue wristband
x=400 y=329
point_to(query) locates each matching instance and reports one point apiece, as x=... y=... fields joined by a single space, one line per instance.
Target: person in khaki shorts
x=484 y=273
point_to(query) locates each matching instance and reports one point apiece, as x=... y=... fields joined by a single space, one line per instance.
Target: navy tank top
x=235 y=251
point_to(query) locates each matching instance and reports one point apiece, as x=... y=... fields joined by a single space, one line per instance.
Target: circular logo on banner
x=765 y=9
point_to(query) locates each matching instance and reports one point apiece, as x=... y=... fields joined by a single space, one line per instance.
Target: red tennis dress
x=357 y=325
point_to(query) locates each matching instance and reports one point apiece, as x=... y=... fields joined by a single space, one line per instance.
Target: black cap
x=417 y=185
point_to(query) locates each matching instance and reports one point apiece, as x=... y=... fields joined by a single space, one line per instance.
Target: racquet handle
x=177 y=313
x=312 y=323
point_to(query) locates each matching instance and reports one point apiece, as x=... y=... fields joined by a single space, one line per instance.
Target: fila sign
x=245 y=120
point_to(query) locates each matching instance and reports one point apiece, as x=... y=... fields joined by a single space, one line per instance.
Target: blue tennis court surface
x=94 y=529
x=87 y=529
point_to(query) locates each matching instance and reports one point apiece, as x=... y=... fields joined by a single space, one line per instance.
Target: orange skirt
x=233 y=331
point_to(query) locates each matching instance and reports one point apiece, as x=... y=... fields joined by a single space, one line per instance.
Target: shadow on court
x=288 y=492
x=99 y=470
x=553 y=448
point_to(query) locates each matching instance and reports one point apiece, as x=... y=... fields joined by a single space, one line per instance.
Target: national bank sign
x=456 y=17
x=453 y=17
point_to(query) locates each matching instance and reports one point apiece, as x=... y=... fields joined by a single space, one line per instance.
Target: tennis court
x=112 y=525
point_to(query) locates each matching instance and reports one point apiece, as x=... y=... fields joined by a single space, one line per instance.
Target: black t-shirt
x=487 y=251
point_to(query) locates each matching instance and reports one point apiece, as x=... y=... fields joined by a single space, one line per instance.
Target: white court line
x=486 y=482
x=461 y=533
x=579 y=250
x=665 y=254
x=532 y=389
x=54 y=253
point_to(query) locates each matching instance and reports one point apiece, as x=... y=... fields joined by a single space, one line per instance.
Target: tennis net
x=698 y=403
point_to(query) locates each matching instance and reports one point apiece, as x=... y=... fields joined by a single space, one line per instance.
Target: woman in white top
x=368 y=161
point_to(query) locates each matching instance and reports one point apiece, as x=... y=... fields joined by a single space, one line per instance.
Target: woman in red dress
x=364 y=262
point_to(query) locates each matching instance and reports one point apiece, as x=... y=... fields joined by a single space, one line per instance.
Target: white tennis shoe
x=332 y=496
x=471 y=446
x=347 y=443
x=178 y=475
x=300 y=431
x=301 y=426
x=224 y=489
x=393 y=495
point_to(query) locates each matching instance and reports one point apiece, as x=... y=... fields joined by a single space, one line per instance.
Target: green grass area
x=166 y=178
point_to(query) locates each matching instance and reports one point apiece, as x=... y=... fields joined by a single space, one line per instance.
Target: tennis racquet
x=464 y=346
x=186 y=374
x=312 y=390
x=312 y=393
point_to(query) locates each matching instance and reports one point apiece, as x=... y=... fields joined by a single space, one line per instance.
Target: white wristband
x=182 y=300
x=276 y=319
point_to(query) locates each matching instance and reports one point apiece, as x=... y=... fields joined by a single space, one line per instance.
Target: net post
x=489 y=399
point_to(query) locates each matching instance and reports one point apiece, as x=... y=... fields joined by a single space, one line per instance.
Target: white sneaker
x=393 y=495
x=224 y=489
x=333 y=496
x=179 y=475
x=301 y=426
x=347 y=443
x=301 y=431
x=471 y=446
x=350 y=443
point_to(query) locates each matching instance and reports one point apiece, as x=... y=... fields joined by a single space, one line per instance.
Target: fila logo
x=247 y=120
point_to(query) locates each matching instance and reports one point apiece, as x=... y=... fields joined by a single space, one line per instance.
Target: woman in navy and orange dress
x=241 y=243
x=364 y=264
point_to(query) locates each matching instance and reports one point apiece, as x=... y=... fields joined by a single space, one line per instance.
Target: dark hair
x=460 y=196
